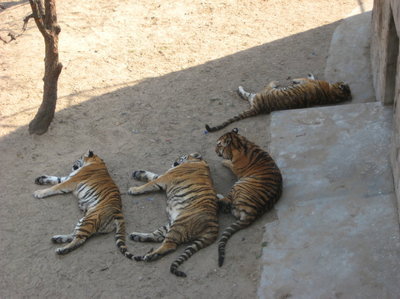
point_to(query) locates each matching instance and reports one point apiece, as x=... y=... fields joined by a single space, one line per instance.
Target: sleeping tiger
x=258 y=188
x=99 y=199
x=303 y=93
x=191 y=207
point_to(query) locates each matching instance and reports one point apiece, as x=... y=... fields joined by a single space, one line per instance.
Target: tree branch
x=38 y=15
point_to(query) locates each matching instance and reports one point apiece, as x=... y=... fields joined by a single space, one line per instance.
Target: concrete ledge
x=349 y=57
x=337 y=233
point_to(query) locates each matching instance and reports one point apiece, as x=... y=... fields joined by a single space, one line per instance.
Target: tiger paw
x=139 y=174
x=39 y=194
x=149 y=257
x=56 y=239
x=240 y=91
x=61 y=239
x=227 y=163
x=41 y=180
x=134 y=191
x=135 y=237
x=61 y=251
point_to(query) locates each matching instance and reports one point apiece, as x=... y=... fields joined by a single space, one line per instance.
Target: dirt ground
x=140 y=80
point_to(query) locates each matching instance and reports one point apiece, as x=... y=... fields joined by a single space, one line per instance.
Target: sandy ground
x=140 y=80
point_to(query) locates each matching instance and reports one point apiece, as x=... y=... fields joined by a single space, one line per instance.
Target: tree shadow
x=143 y=126
x=8 y=4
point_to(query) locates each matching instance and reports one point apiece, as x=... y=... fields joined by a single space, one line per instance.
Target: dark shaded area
x=143 y=126
x=8 y=4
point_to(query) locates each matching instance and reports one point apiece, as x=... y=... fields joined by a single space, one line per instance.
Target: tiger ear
x=91 y=154
x=235 y=130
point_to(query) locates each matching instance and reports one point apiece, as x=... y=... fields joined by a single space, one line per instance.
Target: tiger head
x=193 y=157
x=341 y=91
x=229 y=142
x=86 y=158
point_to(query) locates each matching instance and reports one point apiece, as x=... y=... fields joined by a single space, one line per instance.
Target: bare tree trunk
x=46 y=21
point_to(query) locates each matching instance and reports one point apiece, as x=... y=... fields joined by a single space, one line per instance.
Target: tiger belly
x=173 y=212
x=87 y=197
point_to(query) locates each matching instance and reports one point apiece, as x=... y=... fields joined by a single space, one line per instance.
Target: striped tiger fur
x=258 y=188
x=303 y=93
x=98 y=197
x=191 y=207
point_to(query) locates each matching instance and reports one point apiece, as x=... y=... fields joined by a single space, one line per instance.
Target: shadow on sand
x=145 y=125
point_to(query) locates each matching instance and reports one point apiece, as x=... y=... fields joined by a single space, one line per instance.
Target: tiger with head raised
x=99 y=198
x=303 y=93
x=191 y=207
x=258 y=188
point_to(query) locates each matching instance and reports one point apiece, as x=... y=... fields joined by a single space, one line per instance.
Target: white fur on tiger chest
x=87 y=198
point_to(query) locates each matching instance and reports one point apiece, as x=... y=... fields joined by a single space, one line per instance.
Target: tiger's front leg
x=154 y=182
x=63 y=187
x=303 y=80
x=50 y=180
x=227 y=163
x=144 y=175
x=249 y=96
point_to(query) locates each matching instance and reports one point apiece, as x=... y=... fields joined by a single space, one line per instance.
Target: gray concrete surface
x=337 y=228
x=349 y=57
x=337 y=233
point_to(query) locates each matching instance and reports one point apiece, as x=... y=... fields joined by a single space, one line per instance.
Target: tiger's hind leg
x=157 y=236
x=62 y=238
x=84 y=229
x=167 y=246
x=173 y=238
x=75 y=243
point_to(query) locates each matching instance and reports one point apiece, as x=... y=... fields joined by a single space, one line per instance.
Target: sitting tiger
x=258 y=188
x=99 y=198
x=303 y=93
x=191 y=207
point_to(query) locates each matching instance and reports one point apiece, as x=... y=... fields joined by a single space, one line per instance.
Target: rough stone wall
x=385 y=63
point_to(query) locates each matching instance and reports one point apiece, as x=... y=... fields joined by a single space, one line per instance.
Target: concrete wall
x=385 y=63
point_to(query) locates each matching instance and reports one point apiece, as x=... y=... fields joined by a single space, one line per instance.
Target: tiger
x=302 y=93
x=258 y=188
x=192 y=209
x=98 y=197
